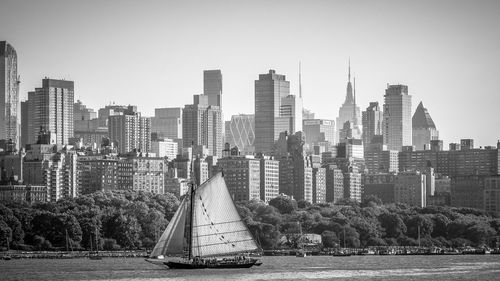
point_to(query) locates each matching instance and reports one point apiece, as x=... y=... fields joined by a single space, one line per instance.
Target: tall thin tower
x=9 y=94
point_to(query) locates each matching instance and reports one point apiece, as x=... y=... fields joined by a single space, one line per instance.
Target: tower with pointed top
x=349 y=111
x=423 y=127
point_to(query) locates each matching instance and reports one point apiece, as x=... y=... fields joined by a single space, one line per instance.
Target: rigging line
x=219 y=223
x=224 y=243
x=222 y=233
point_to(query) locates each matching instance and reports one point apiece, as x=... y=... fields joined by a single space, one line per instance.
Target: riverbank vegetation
x=135 y=220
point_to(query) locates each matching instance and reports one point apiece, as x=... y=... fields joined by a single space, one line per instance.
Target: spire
x=349 y=98
x=354 y=93
x=300 y=82
x=355 y=118
x=349 y=75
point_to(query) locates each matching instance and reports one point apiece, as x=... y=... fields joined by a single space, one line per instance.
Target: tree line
x=136 y=219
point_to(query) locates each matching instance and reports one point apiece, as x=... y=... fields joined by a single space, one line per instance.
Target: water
x=480 y=267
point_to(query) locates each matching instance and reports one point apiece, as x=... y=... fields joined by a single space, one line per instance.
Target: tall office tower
x=24 y=123
x=349 y=111
x=397 y=117
x=373 y=119
x=240 y=132
x=270 y=89
x=9 y=94
x=167 y=123
x=291 y=108
x=319 y=130
x=51 y=108
x=212 y=86
x=424 y=130
x=130 y=131
x=202 y=125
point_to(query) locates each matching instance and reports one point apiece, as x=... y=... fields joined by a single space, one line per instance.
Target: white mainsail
x=171 y=242
x=217 y=227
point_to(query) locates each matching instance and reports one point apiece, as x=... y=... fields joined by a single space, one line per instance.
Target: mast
x=419 y=236
x=96 y=241
x=344 y=237
x=67 y=242
x=191 y=205
x=300 y=82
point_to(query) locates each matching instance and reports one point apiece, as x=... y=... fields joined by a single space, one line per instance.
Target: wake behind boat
x=206 y=231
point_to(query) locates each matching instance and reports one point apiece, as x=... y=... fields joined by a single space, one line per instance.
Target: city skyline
x=438 y=45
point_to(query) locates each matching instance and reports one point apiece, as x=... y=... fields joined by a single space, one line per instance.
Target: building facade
x=167 y=123
x=424 y=129
x=410 y=188
x=212 y=86
x=51 y=108
x=130 y=132
x=9 y=94
x=270 y=89
x=372 y=120
x=242 y=176
x=349 y=112
x=319 y=185
x=319 y=130
x=202 y=125
x=269 y=179
x=397 y=117
x=240 y=132
x=164 y=148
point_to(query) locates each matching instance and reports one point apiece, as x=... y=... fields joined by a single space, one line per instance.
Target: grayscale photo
x=169 y=140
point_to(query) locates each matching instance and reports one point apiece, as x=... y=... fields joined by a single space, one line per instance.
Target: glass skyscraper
x=9 y=94
x=397 y=117
x=270 y=89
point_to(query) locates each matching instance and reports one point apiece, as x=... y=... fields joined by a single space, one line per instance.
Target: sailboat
x=206 y=231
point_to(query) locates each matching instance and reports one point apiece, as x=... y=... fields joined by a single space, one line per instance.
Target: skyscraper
x=423 y=128
x=240 y=132
x=51 y=108
x=373 y=119
x=167 y=123
x=212 y=86
x=349 y=111
x=397 y=117
x=319 y=130
x=202 y=125
x=9 y=94
x=130 y=131
x=270 y=89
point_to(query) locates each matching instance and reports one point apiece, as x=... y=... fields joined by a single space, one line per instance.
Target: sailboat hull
x=216 y=264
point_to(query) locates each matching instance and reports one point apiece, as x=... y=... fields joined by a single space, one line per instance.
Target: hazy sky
x=153 y=53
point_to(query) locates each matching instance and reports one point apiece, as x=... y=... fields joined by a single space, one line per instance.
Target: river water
x=468 y=267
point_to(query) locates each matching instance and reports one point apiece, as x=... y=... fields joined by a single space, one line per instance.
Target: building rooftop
x=422 y=118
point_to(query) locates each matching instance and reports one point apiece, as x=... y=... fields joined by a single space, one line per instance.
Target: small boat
x=301 y=253
x=206 y=231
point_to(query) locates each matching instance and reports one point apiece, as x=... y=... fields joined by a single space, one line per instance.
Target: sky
x=152 y=53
